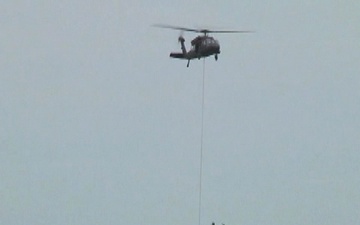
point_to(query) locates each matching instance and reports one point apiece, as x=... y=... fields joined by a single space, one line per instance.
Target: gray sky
x=99 y=126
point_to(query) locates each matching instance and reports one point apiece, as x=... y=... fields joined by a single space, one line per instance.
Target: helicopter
x=202 y=46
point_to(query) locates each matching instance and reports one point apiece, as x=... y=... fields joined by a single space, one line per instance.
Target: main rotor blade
x=176 y=28
x=227 y=31
x=204 y=31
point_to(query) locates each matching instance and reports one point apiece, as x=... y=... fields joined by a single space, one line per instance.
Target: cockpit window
x=210 y=41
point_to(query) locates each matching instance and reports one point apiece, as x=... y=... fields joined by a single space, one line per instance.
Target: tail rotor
x=181 y=38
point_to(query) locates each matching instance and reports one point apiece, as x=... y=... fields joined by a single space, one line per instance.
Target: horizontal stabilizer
x=177 y=55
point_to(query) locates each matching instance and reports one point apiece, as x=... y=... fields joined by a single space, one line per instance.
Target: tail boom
x=177 y=55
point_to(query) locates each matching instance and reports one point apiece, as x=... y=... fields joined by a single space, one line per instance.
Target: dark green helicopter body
x=202 y=46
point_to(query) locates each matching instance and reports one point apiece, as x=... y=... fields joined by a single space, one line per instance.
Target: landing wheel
x=216 y=57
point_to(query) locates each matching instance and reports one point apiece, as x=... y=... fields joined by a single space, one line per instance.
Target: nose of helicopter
x=215 y=47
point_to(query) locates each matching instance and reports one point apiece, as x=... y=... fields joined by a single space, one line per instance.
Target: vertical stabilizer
x=182 y=41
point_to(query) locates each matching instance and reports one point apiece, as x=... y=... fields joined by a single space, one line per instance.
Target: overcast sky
x=99 y=126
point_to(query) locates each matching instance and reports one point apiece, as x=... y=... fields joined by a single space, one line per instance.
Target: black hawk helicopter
x=202 y=46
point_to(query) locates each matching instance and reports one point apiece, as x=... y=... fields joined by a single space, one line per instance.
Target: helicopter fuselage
x=201 y=47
